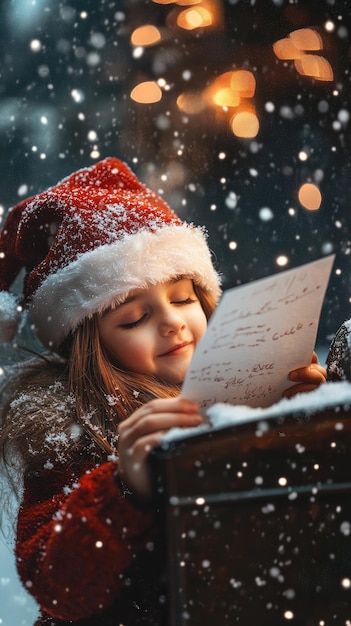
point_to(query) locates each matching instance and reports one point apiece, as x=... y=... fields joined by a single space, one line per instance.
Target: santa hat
x=89 y=241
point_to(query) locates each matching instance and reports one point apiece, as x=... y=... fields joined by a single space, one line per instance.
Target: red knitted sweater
x=86 y=551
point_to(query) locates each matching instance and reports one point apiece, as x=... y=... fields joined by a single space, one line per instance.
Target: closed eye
x=186 y=301
x=139 y=321
x=134 y=324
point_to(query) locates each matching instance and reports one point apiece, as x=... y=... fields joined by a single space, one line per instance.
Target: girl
x=119 y=290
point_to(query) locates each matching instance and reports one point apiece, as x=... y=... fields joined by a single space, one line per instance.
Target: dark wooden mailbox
x=258 y=522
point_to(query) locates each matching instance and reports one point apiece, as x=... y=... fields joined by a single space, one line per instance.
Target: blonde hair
x=105 y=393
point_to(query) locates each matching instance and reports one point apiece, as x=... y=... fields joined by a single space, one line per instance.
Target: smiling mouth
x=178 y=349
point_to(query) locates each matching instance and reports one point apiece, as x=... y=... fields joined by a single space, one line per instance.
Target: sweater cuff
x=142 y=505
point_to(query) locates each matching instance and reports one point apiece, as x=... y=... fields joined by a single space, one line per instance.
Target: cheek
x=130 y=351
x=200 y=325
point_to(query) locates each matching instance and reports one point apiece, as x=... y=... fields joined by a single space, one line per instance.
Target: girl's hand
x=307 y=378
x=142 y=431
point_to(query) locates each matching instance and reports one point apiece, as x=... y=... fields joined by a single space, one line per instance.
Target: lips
x=177 y=349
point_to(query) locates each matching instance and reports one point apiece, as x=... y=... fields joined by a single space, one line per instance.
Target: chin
x=173 y=380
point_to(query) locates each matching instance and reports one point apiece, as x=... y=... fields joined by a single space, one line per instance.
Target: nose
x=171 y=322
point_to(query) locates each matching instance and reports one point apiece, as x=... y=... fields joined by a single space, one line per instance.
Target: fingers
x=313 y=373
x=143 y=430
x=314 y=357
x=158 y=415
x=301 y=388
x=307 y=378
x=168 y=405
x=154 y=423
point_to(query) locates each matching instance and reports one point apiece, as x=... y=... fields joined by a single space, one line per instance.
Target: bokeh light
x=147 y=92
x=282 y=260
x=299 y=47
x=315 y=66
x=310 y=196
x=191 y=103
x=198 y=17
x=146 y=35
x=306 y=39
x=227 y=108
x=245 y=124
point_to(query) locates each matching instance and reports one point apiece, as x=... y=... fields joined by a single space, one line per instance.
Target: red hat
x=86 y=243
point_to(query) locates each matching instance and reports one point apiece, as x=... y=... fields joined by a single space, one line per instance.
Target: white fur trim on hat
x=10 y=314
x=110 y=272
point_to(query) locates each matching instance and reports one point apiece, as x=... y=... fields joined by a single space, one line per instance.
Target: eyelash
x=133 y=324
x=140 y=321
x=186 y=301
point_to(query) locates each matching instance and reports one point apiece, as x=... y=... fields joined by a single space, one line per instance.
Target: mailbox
x=257 y=518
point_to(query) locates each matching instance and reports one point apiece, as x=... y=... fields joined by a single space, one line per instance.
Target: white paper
x=258 y=334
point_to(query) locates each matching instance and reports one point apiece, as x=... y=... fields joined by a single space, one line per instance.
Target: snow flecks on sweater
x=54 y=406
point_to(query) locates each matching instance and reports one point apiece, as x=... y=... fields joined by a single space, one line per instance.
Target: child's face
x=155 y=330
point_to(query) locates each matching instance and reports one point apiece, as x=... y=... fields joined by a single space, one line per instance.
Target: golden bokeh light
x=198 y=17
x=245 y=124
x=220 y=84
x=179 y=2
x=229 y=88
x=147 y=92
x=223 y=80
x=243 y=82
x=297 y=47
x=306 y=39
x=226 y=97
x=286 y=50
x=310 y=197
x=297 y=43
x=191 y=103
x=146 y=35
x=187 y=2
x=235 y=90
x=315 y=66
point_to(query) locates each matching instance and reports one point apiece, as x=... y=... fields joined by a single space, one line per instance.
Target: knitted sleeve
x=339 y=357
x=76 y=538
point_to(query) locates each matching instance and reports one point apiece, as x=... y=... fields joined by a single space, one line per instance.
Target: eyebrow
x=130 y=298
x=135 y=296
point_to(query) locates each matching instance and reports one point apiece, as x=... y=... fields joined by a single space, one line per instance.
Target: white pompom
x=10 y=314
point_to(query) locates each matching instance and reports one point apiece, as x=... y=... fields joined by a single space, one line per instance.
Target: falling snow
x=66 y=81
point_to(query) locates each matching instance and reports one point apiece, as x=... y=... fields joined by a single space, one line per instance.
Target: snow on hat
x=89 y=241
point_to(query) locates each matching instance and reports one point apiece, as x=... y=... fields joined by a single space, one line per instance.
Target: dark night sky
x=67 y=70
x=65 y=85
